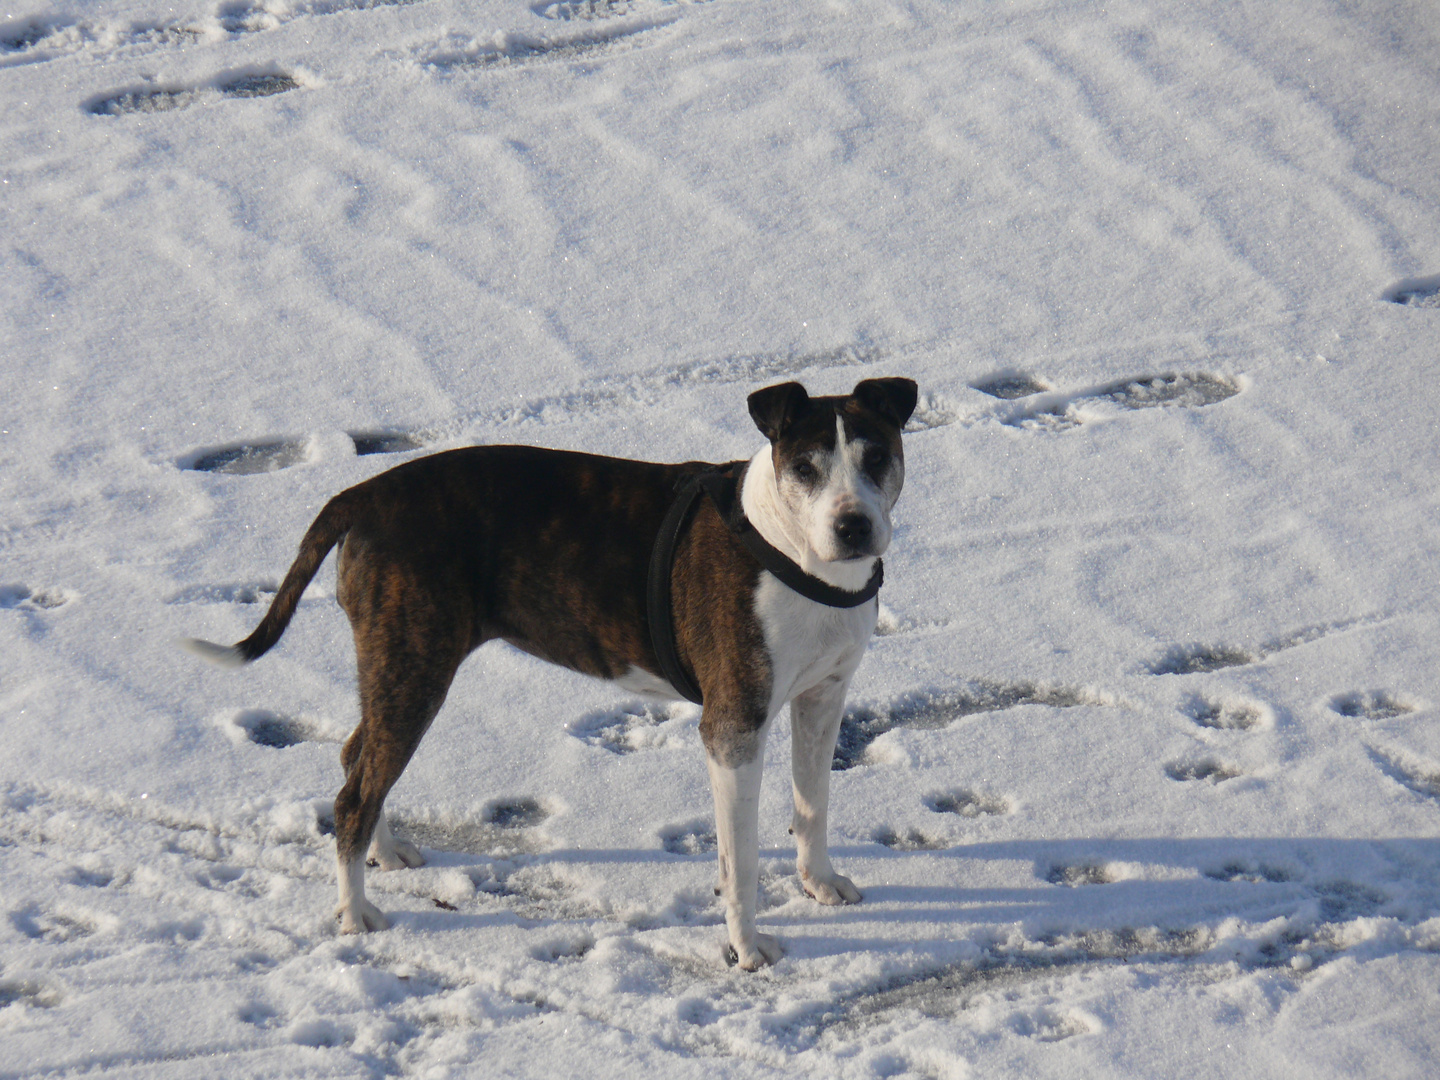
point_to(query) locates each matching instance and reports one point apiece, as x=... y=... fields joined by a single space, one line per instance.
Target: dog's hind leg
x=387 y=851
x=405 y=666
x=814 y=727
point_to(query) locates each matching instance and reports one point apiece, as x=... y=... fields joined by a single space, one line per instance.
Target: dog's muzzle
x=856 y=533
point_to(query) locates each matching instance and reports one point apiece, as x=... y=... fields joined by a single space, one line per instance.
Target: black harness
x=723 y=487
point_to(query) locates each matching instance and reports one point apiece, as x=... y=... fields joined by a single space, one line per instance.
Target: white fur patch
x=220 y=655
x=639 y=681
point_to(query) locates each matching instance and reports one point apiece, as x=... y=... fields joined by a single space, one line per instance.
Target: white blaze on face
x=840 y=489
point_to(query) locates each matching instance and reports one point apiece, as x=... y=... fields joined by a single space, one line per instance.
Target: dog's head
x=838 y=461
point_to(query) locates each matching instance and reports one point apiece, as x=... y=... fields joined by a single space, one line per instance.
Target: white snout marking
x=848 y=490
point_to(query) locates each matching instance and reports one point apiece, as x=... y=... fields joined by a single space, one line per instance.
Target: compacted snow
x=1141 y=776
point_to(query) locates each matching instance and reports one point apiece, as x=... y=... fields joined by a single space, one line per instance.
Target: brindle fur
x=426 y=577
x=549 y=551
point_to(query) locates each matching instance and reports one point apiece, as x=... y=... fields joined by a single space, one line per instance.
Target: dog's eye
x=875 y=459
x=805 y=472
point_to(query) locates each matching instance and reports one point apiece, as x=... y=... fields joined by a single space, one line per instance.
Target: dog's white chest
x=809 y=642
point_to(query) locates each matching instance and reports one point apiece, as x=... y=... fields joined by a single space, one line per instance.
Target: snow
x=1142 y=772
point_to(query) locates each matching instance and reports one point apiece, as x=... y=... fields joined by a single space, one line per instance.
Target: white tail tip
x=221 y=655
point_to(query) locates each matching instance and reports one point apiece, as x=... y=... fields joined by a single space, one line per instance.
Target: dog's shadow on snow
x=1167 y=896
x=1288 y=904
x=1079 y=885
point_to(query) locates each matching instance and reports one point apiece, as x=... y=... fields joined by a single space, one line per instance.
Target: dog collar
x=724 y=491
x=723 y=487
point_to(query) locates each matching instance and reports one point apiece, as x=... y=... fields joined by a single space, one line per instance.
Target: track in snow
x=161 y=99
x=1195 y=659
x=23 y=598
x=1415 y=292
x=862 y=725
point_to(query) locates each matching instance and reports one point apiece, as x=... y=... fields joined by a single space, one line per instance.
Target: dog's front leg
x=735 y=782
x=814 y=727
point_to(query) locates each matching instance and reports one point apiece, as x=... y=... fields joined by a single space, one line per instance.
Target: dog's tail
x=324 y=533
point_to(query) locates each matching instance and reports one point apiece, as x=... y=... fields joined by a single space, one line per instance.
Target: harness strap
x=657 y=592
x=723 y=486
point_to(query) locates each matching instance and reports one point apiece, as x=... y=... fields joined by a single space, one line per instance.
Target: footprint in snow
x=242 y=17
x=1249 y=871
x=33 y=40
x=265 y=728
x=260 y=1016
x=933 y=709
x=1058 y=412
x=929 y=414
x=48 y=926
x=259 y=592
x=26 y=34
x=1371 y=705
x=505 y=827
x=566 y=10
x=639 y=725
x=587 y=10
x=237 y=17
x=458 y=51
x=1344 y=901
x=693 y=838
x=247 y=459
x=1075 y=874
x=910 y=840
x=28 y=992
x=385 y=442
x=544 y=889
x=1420 y=777
x=90 y=879
x=161 y=99
x=1047 y=1026
x=571 y=946
x=1009 y=386
x=1188 y=391
x=967 y=803
x=23 y=598
x=1199 y=659
x=272 y=455
x=246 y=17
x=1227 y=715
x=1415 y=292
x=1202 y=769
x=522 y=813
x=220 y=877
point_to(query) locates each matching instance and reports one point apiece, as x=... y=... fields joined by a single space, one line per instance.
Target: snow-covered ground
x=1142 y=775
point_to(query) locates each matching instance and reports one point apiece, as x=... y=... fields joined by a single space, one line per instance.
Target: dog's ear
x=893 y=399
x=775 y=408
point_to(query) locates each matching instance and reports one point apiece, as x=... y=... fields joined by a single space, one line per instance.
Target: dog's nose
x=854 y=529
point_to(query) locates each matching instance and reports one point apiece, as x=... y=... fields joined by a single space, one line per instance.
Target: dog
x=742 y=586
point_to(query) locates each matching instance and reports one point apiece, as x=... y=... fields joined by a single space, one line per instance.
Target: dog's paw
x=399 y=855
x=361 y=917
x=833 y=890
x=761 y=950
